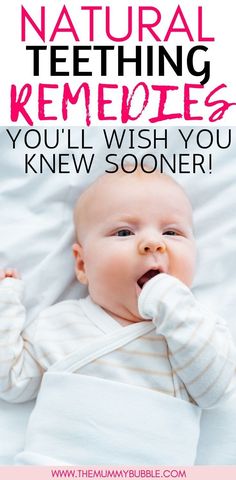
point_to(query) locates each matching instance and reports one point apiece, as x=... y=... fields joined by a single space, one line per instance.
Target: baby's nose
x=146 y=246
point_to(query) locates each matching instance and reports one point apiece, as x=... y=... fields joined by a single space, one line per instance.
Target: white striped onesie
x=189 y=354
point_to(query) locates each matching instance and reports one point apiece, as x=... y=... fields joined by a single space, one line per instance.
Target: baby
x=136 y=253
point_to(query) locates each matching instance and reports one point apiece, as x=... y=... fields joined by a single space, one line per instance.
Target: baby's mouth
x=147 y=276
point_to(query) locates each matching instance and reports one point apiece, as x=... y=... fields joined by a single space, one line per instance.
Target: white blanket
x=127 y=426
x=105 y=422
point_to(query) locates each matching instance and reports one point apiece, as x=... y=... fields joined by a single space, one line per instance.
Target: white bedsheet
x=37 y=233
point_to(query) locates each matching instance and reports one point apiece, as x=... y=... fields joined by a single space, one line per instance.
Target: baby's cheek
x=106 y=270
x=115 y=258
x=187 y=279
x=182 y=264
x=187 y=273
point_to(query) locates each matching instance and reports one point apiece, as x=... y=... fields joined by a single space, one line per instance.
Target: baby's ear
x=79 y=263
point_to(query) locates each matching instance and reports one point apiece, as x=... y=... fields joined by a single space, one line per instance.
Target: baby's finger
x=8 y=272
x=11 y=273
x=2 y=274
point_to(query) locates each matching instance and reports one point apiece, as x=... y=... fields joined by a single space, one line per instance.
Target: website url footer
x=109 y=473
x=113 y=473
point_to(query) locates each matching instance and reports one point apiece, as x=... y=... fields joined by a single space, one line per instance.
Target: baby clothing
x=189 y=353
x=115 y=395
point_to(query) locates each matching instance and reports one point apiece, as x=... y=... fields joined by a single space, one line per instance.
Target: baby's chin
x=125 y=314
x=119 y=309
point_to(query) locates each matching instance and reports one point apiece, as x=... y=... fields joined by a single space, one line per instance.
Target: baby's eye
x=170 y=233
x=124 y=232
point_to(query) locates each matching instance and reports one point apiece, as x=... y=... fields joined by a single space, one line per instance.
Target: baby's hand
x=9 y=273
x=160 y=294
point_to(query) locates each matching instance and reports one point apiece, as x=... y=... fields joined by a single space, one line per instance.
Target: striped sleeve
x=20 y=374
x=201 y=350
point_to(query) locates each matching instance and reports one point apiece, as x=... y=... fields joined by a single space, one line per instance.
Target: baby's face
x=131 y=228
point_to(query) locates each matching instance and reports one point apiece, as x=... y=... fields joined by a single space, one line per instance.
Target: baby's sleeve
x=20 y=372
x=201 y=350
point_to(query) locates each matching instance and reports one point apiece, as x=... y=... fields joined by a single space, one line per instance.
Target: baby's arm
x=201 y=350
x=20 y=374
